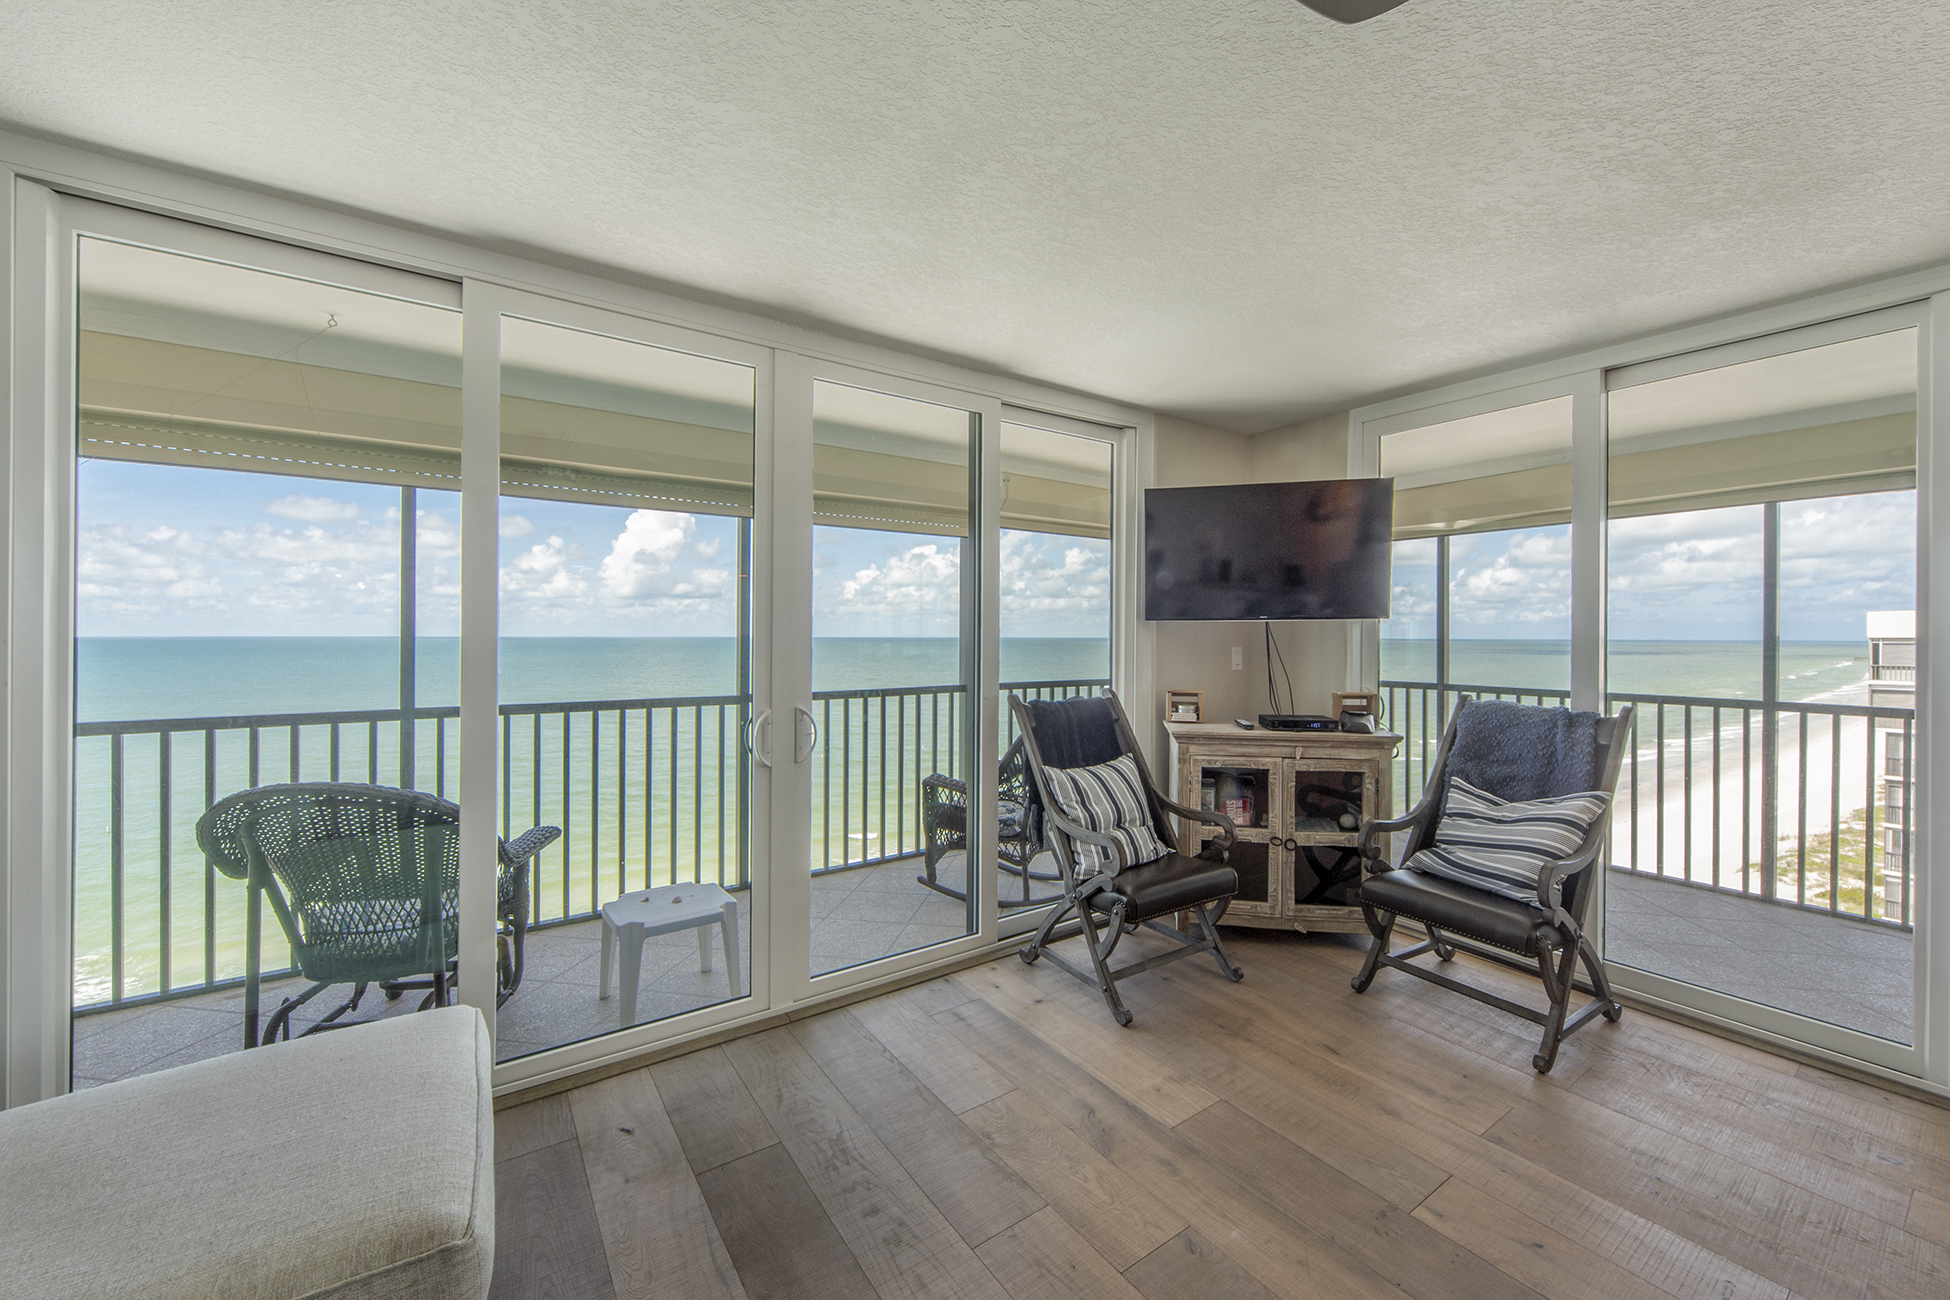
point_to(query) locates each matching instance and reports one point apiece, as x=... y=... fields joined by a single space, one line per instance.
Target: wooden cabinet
x=1297 y=800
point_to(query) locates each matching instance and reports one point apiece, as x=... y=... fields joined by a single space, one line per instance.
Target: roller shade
x=174 y=404
x=1530 y=498
x=1876 y=454
x=1047 y=505
x=856 y=486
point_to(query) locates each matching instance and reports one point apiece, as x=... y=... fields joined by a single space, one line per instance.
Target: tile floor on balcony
x=857 y=916
x=1849 y=973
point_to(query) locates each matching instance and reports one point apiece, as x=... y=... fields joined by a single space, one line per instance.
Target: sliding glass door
x=1762 y=620
x=707 y=719
x=1728 y=541
x=896 y=730
x=265 y=546
x=628 y=464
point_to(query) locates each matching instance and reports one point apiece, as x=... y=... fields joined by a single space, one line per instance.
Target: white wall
x=1198 y=656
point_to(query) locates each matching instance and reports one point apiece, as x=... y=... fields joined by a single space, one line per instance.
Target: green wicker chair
x=363 y=879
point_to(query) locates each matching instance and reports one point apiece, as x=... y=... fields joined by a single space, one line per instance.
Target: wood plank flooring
x=994 y=1135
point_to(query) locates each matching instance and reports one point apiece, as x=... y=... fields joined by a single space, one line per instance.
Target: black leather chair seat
x=1169 y=884
x=1458 y=909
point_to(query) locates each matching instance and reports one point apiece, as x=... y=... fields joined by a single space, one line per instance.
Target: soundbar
x=1298 y=722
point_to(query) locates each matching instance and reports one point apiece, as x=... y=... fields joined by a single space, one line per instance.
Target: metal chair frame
x=1558 y=938
x=1102 y=938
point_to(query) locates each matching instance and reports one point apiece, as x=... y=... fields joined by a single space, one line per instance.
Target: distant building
x=1892 y=684
x=1892 y=658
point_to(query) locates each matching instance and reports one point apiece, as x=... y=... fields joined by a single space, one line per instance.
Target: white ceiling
x=1230 y=210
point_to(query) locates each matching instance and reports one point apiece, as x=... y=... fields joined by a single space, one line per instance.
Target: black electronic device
x=1298 y=722
x=1356 y=721
x=1242 y=724
x=1309 y=550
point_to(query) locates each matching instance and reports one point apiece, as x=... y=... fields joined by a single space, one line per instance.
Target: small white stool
x=633 y=917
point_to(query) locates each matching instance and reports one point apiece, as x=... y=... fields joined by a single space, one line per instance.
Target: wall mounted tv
x=1269 y=550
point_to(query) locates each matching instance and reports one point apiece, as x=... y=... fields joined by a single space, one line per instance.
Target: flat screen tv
x=1269 y=550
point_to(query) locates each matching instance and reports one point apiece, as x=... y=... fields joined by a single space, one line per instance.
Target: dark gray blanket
x=1080 y=732
x=1523 y=751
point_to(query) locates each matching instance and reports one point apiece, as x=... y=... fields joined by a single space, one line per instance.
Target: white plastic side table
x=634 y=917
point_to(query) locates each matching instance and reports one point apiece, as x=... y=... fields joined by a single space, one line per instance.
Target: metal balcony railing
x=1813 y=815
x=647 y=792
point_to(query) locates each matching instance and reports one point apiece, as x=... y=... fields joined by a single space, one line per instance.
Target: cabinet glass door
x=1328 y=803
x=1246 y=791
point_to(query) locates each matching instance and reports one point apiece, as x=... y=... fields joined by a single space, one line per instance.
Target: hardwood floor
x=995 y=1135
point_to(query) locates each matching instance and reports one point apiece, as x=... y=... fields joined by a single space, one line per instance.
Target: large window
x=480 y=615
x=1762 y=571
x=266 y=565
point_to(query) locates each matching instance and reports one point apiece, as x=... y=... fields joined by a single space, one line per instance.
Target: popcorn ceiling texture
x=1230 y=210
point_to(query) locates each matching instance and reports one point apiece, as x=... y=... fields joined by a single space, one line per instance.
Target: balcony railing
x=647 y=792
x=1710 y=798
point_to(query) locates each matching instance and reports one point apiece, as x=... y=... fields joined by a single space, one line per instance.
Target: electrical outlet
x=1238 y=658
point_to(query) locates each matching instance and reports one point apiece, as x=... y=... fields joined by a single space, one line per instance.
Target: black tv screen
x=1269 y=550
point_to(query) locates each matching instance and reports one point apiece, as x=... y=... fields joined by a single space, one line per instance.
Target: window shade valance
x=176 y=404
x=1874 y=454
x=172 y=404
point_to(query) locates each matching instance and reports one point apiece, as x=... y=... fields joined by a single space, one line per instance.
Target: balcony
x=648 y=792
x=1762 y=850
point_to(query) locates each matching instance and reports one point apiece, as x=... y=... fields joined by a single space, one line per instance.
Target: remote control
x=1243 y=724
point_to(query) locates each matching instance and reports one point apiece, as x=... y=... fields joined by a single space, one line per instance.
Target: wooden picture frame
x=1368 y=702
x=1184 y=706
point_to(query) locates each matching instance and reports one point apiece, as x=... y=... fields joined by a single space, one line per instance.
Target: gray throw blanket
x=1080 y=732
x=1523 y=751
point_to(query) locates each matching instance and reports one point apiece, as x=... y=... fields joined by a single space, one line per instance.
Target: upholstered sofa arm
x=358 y=1163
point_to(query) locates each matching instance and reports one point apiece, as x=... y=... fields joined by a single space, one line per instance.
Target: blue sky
x=1693 y=575
x=170 y=551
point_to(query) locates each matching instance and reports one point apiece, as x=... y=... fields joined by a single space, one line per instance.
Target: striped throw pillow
x=1108 y=798
x=1498 y=846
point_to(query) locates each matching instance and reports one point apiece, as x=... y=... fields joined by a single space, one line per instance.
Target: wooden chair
x=1549 y=929
x=1103 y=905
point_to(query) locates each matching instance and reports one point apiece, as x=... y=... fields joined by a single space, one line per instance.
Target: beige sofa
x=357 y=1163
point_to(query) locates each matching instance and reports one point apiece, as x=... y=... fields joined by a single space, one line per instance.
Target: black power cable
x=1273 y=650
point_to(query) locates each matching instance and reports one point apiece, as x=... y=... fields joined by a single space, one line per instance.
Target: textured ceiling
x=1230 y=210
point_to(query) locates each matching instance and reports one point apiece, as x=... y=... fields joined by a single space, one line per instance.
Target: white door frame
x=1921 y=299
x=793 y=663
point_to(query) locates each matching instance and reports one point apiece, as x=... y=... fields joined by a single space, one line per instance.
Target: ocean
x=1810 y=670
x=659 y=806
x=125 y=678
x=654 y=808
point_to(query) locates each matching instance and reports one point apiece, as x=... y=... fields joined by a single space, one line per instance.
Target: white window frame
x=36 y=386
x=1922 y=299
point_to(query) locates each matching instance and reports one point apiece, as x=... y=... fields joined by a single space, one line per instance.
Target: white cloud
x=260 y=576
x=516 y=526
x=1511 y=583
x=642 y=556
x=1055 y=583
x=312 y=510
x=921 y=579
x=543 y=573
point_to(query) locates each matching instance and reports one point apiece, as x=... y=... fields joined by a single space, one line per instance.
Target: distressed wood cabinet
x=1297 y=800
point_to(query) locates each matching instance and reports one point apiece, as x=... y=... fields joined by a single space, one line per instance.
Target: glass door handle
x=805 y=734
x=752 y=746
